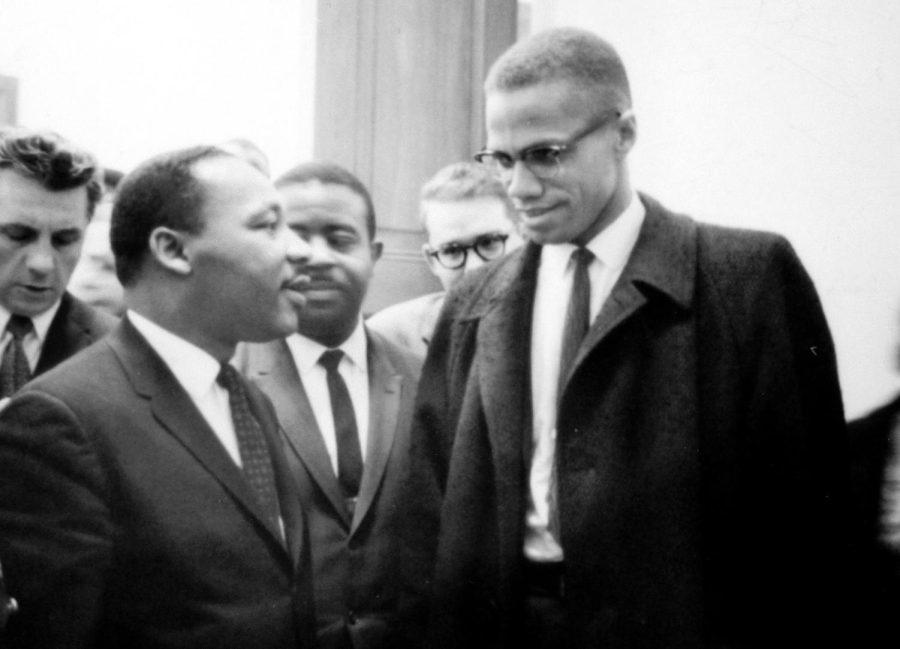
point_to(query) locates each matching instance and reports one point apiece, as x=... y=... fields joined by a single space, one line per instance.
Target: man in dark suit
x=634 y=421
x=146 y=501
x=48 y=191
x=346 y=420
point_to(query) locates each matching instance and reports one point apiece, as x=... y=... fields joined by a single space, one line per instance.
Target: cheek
x=67 y=260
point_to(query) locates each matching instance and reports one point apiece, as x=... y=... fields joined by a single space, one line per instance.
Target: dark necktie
x=350 y=464
x=257 y=463
x=578 y=314
x=14 y=370
x=578 y=317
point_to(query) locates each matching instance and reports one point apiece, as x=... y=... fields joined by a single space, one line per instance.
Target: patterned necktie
x=350 y=464
x=14 y=369
x=257 y=462
x=577 y=315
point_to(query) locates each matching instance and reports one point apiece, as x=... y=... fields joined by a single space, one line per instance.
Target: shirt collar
x=195 y=369
x=41 y=322
x=306 y=351
x=612 y=245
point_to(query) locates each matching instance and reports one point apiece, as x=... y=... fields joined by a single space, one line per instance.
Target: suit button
x=351 y=617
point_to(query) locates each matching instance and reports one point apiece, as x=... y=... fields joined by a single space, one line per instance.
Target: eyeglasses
x=487 y=246
x=543 y=160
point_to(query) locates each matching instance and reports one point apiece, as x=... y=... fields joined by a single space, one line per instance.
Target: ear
x=167 y=246
x=376 y=248
x=431 y=261
x=627 y=133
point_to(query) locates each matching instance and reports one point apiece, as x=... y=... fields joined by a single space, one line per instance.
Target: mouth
x=35 y=289
x=532 y=213
x=297 y=283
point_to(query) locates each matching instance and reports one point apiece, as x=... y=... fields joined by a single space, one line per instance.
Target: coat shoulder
x=403 y=360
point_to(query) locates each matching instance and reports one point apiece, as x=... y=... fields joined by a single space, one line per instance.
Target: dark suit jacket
x=700 y=447
x=124 y=522
x=356 y=561
x=75 y=326
x=877 y=593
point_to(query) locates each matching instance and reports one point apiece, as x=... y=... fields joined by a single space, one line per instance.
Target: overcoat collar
x=175 y=412
x=662 y=265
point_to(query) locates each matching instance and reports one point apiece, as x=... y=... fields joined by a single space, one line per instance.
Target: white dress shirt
x=33 y=342
x=196 y=371
x=612 y=248
x=353 y=368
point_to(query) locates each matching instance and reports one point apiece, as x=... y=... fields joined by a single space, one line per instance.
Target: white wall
x=128 y=79
x=783 y=116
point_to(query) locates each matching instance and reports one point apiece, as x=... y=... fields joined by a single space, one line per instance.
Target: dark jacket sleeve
x=789 y=509
x=55 y=525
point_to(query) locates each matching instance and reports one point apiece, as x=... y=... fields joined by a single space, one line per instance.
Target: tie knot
x=330 y=359
x=582 y=256
x=227 y=377
x=19 y=326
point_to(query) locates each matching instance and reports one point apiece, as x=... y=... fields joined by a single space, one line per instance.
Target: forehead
x=536 y=114
x=231 y=182
x=25 y=201
x=315 y=202
x=461 y=221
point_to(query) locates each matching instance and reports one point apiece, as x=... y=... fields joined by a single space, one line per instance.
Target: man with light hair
x=629 y=432
x=468 y=221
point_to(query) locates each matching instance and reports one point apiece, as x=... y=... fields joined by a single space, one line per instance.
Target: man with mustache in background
x=344 y=397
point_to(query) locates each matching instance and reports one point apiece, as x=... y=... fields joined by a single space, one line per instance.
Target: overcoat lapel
x=504 y=341
x=272 y=366
x=385 y=389
x=177 y=414
x=663 y=260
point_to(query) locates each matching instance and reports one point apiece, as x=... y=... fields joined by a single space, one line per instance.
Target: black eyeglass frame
x=504 y=163
x=457 y=248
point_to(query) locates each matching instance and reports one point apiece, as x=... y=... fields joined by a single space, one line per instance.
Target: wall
x=781 y=116
x=130 y=79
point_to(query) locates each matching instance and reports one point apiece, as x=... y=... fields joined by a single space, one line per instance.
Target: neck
x=613 y=209
x=168 y=312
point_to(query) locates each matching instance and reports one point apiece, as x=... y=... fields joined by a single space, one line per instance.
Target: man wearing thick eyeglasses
x=468 y=221
x=629 y=432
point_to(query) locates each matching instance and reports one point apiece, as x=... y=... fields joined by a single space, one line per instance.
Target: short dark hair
x=330 y=173
x=52 y=161
x=565 y=53
x=161 y=192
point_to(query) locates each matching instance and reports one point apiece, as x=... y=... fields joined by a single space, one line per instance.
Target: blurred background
x=778 y=115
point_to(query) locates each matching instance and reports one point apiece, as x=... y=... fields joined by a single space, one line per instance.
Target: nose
x=41 y=258
x=521 y=183
x=320 y=253
x=473 y=261
x=298 y=250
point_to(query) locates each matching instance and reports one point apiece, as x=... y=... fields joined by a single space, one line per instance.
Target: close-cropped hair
x=161 y=192
x=462 y=181
x=562 y=54
x=54 y=162
x=330 y=173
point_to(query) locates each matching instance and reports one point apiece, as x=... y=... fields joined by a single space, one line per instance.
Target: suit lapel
x=177 y=414
x=385 y=390
x=67 y=332
x=271 y=365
